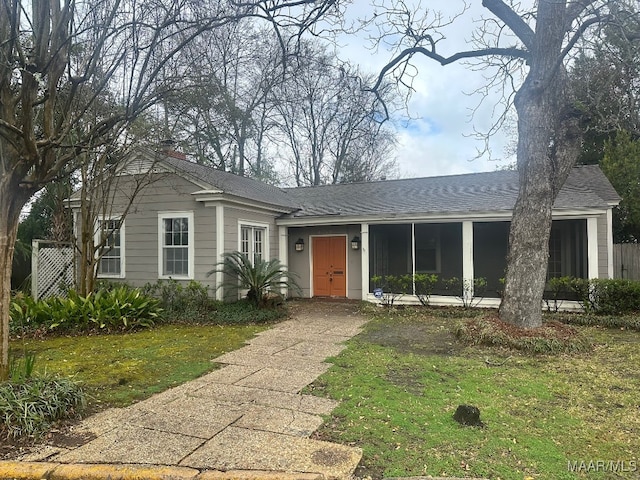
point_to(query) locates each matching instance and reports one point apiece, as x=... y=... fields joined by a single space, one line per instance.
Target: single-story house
x=335 y=238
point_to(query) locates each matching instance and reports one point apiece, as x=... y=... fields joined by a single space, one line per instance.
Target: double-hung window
x=253 y=241
x=175 y=245
x=110 y=242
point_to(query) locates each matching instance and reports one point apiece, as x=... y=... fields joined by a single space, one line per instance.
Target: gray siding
x=603 y=253
x=172 y=193
x=169 y=193
x=300 y=262
x=234 y=216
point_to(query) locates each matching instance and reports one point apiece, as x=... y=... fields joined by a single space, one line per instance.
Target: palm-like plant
x=260 y=277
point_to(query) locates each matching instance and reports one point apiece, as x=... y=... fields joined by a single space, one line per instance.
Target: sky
x=437 y=139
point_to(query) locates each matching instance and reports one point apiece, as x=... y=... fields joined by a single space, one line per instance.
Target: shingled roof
x=587 y=187
x=242 y=187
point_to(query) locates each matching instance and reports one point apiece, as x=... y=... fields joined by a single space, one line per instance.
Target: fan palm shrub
x=261 y=278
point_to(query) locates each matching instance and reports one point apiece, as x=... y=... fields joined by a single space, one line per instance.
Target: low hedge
x=599 y=296
x=117 y=309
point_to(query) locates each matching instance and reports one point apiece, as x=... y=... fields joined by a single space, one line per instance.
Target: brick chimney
x=167 y=147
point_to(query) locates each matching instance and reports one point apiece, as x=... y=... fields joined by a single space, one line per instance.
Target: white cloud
x=438 y=142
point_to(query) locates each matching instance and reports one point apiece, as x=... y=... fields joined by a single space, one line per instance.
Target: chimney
x=167 y=147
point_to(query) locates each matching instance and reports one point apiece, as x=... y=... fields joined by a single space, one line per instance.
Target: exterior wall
x=234 y=215
x=603 y=250
x=167 y=193
x=300 y=262
x=172 y=193
x=233 y=218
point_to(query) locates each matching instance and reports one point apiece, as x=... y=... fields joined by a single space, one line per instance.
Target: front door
x=329 y=266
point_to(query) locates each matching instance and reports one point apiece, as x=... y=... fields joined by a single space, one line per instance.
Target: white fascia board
x=496 y=216
x=210 y=198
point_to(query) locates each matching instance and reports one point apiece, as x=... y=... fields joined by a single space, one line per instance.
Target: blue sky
x=438 y=140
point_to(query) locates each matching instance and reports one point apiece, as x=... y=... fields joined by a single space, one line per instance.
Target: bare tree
x=59 y=59
x=541 y=40
x=330 y=126
x=223 y=118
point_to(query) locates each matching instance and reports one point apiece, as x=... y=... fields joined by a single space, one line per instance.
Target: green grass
x=119 y=369
x=402 y=379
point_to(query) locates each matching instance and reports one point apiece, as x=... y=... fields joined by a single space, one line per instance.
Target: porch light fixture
x=355 y=243
x=299 y=245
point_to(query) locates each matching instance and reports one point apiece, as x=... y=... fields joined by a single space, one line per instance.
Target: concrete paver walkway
x=248 y=415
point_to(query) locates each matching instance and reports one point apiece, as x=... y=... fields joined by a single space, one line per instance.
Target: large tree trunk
x=12 y=204
x=548 y=147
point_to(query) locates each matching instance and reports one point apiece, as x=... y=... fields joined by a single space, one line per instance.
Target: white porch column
x=467 y=259
x=219 y=250
x=283 y=252
x=364 y=257
x=592 y=247
x=610 y=272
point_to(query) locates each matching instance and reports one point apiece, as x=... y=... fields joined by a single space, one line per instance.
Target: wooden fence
x=626 y=261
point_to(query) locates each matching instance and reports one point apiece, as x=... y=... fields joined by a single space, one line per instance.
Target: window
x=176 y=245
x=253 y=241
x=110 y=239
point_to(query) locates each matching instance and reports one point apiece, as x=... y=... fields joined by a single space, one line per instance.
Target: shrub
x=261 y=278
x=463 y=288
x=183 y=303
x=558 y=289
x=243 y=312
x=552 y=337
x=425 y=284
x=605 y=296
x=391 y=287
x=121 y=308
x=30 y=407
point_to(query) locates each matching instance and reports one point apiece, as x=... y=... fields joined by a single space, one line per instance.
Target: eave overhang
x=213 y=197
x=432 y=217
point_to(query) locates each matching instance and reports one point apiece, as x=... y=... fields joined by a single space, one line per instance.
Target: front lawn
x=400 y=381
x=119 y=369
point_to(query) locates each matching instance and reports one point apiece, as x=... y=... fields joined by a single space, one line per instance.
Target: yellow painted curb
x=121 y=472
x=257 y=475
x=25 y=470
x=56 y=471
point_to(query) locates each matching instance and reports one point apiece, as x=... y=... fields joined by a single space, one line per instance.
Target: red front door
x=329 y=266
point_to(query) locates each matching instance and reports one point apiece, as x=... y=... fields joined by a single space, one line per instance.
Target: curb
x=57 y=471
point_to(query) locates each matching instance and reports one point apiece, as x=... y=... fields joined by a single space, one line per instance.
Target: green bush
x=604 y=296
x=261 y=278
x=121 y=308
x=30 y=407
x=243 y=312
x=182 y=303
x=393 y=287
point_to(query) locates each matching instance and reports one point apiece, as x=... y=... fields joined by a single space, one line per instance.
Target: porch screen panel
x=390 y=250
x=567 y=249
x=427 y=248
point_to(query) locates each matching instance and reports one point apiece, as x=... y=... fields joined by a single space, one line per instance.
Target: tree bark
x=548 y=135
x=12 y=203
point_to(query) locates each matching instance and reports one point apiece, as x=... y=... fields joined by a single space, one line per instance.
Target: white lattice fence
x=52 y=268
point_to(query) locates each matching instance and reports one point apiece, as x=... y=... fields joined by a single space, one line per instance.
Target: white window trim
x=191 y=247
x=123 y=243
x=250 y=223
